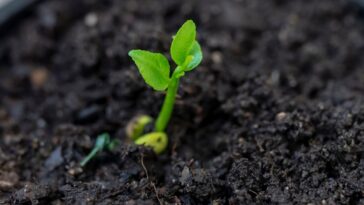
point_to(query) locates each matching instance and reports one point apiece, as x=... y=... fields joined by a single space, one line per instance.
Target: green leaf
x=102 y=140
x=153 y=67
x=196 y=53
x=183 y=41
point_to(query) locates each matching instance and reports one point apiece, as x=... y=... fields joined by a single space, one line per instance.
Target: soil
x=274 y=115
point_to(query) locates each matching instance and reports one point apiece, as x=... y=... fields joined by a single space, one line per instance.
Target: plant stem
x=167 y=108
x=89 y=156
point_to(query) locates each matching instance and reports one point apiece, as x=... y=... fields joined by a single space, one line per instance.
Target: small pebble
x=217 y=57
x=8 y=180
x=91 y=19
x=75 y=171
x=39 y=77
x=281 y=116
x=54 y=160
x=185 y=175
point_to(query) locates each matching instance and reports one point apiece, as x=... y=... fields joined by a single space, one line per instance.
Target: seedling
x=155 y=70
x=103 y=142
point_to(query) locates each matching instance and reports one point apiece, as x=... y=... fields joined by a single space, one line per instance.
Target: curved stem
x=89 y=156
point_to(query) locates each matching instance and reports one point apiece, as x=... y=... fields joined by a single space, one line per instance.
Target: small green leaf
x=102 y=140
x=183 y=41
x=196 y=52
x=153 y=67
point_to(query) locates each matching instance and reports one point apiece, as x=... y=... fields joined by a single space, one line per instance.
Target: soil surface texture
x=274 y=114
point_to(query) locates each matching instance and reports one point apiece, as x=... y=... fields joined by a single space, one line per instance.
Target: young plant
x=155 y=70
x=103 y=142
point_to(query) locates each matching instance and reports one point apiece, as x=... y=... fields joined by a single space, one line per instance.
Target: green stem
x=167 y=108
x=89 y=156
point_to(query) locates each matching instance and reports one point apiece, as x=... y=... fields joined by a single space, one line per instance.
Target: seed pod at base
x=135 y=127
x=158 y=141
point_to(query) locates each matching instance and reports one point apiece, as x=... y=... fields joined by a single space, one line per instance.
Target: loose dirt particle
x=38 y=77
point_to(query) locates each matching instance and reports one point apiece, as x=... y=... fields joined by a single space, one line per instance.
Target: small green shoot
x=155 y=70
x=103 y=142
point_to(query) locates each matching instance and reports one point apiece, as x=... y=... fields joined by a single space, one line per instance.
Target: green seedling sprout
x=103 y=142
x=155 y=70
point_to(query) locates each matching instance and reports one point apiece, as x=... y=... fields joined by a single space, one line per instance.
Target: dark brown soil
x=274 y=115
